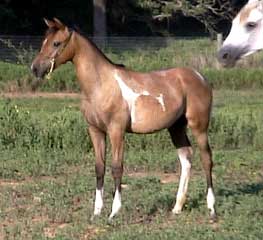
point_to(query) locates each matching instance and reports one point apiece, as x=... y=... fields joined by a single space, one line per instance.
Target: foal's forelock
x=251 y=12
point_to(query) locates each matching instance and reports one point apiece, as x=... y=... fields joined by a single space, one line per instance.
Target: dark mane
x=100 y=52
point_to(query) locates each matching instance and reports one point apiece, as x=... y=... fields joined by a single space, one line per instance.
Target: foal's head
x=55 y=48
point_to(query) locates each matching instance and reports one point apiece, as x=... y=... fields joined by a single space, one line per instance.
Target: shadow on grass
x=251 y=188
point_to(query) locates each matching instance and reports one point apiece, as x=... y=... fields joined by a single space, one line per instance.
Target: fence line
x=11 y=45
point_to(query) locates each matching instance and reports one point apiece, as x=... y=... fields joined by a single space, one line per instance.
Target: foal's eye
x=251 y=25
x=56 y=44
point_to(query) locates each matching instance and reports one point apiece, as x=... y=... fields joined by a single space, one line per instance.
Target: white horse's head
x=246 y=35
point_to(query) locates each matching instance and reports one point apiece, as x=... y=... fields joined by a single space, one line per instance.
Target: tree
x=99 y=18
x=208 y=12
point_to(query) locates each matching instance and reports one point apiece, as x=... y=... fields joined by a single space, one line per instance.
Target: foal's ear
x=49 y=23
x=59 y=24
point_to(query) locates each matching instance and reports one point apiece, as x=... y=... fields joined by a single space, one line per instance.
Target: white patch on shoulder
x=161 y=101
x=128 y=94
x=131 y=96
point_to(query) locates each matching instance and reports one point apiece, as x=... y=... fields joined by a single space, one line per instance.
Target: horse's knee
x=186 y=151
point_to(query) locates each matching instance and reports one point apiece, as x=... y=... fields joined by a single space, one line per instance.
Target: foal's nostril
x=34 y=69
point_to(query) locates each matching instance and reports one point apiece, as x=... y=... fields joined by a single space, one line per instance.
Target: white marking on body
x=184 y=179
x=128 y=94
x=199 y=75
x=116 y=205
x=210 y=200
x=145 y=93
x=161 y=101
x=131 y=96
x=98 y=202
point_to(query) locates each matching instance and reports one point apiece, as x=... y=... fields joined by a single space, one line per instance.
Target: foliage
x=131 y=17
x=208 y=12
x=58 y=126
x=23 y=56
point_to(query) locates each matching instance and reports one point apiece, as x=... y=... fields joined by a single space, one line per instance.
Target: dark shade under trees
x=129 y=17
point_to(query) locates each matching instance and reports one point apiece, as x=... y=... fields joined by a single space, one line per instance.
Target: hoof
x=111 y=217
x=94 y=217
x=213 y=218
x=176 y=211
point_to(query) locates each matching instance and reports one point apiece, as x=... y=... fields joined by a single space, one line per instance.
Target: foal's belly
x=150 y=114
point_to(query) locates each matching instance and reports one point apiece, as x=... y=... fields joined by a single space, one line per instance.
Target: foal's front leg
x=117 y=144
x=98 y=141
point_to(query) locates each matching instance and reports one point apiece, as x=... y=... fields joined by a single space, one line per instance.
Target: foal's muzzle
x=40 y=69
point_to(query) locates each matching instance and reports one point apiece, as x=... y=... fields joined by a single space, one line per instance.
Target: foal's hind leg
x=200 y=131
x=182 y=143
x=98 y=141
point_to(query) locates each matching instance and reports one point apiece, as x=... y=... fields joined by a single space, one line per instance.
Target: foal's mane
x=53 y=30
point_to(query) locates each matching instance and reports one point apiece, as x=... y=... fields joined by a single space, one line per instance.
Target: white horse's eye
x=251 y=25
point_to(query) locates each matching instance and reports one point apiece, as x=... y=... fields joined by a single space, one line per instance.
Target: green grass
x=47 y=176
x=199 y=54
x=61 y=205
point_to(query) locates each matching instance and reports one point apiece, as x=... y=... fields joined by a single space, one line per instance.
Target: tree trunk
x=99 y=20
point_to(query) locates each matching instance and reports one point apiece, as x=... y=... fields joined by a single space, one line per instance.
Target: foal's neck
x=92 y=66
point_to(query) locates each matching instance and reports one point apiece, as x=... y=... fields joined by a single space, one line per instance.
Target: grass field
x=47 y=175
x=198 y=53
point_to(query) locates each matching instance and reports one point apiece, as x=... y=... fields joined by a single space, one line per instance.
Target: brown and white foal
x=118 y=100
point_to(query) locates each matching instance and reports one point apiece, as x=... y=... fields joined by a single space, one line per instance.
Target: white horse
x=246 y=34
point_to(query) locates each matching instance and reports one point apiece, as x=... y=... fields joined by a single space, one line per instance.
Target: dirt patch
x=165 y=178
x=27 y=180
x=92 y=231
x=51 y=231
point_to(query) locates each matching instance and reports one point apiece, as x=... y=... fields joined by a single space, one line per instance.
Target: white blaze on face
x=184 y=179
x=116 y=205
x=131 y=96
x=44 y=43
x=98 y=201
